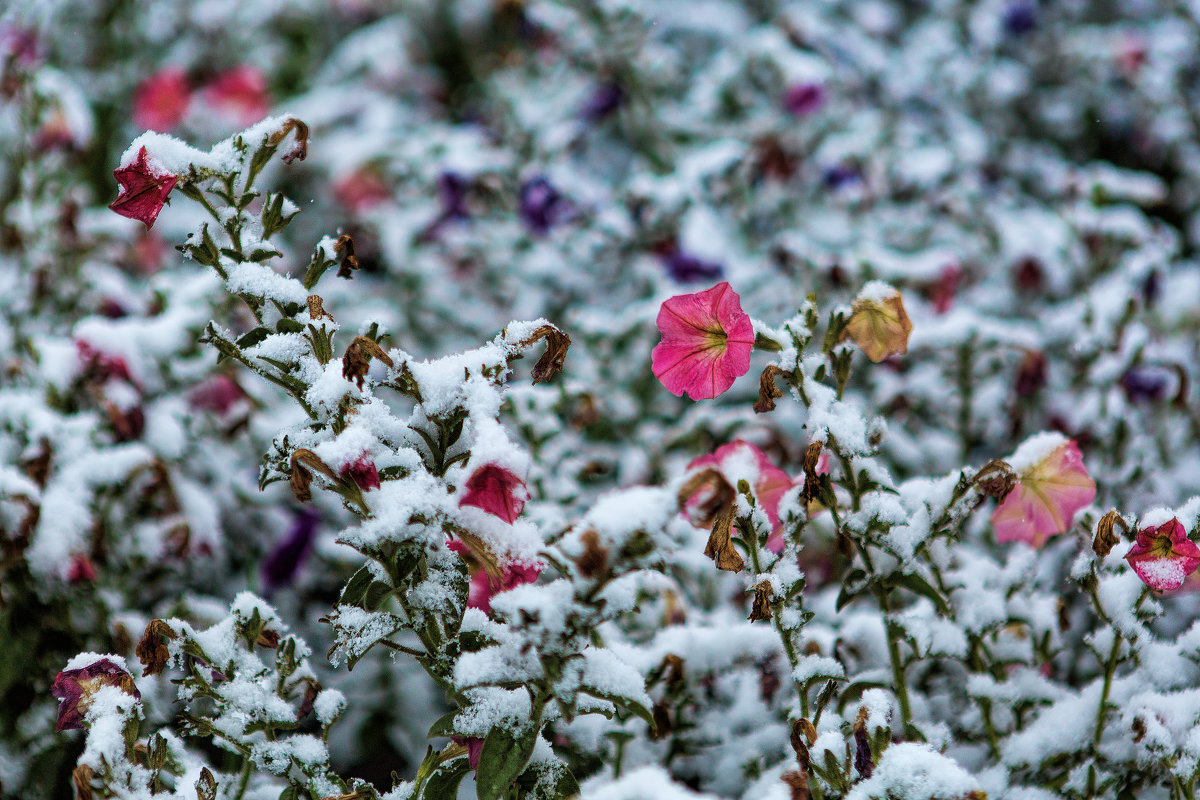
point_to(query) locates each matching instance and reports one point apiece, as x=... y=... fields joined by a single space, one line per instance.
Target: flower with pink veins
x=740 y=460
x=240 y=94
x=1052 y=485
x=706 y=342
x=1164 y=556
x=143 y=189
x=162 y=99
x=497 y=491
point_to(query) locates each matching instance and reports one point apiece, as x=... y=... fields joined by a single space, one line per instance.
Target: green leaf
x=444 y=726
x=443 y=783
x=624 y=703
x=377 y=591
x=853 y=585
x=253 y=337
x=289 y=326
x=356 y=588
x=502 y=760
x=915 y=583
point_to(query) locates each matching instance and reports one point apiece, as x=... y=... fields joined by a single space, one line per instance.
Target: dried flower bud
x=720 y=495
x=150 y=650
x=812 y=480
x=1139 y=729
x=879 y=324
x=995 y=479
x=551 y=362
x=316 y=308
x=345 y=247
x=311 y=690
x=301 y=478
x=300 y=151
x=593 y=560
x=82 y=777
x=268 y=639
x=797 y=783
x=720 y=546
x=1106 y=537
x=767 y=391
x=357 y=359
x=1031 y=374
x=761 y=609
x=799 y=743
x=863 y=761
x=662 y=721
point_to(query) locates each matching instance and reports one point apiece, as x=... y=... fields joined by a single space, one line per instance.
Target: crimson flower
x=76 y=687
x=144 y=190
x=497 y=491
x=362 y=471
x=706 y=343
x=240 y=94
x=1164 y=556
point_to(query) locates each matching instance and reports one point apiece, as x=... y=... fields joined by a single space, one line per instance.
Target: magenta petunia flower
x=1048 y=492
x=497 y=491
x=162 y=99
x=362 y=471
x=706 y=343
x=239 y=94
x=218 y=394
x=1163 y=557
x=474 y=745
x=143 y=190
x=75 y=688
x=740 y=460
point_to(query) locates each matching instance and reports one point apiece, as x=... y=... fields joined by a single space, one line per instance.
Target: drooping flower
x=879 y=324
x=1164 y=556
x=240 y=94
x=362 y=471
x=161 y=100
x=497 y=491
x=474 y=745
x=76 y=687
x=804 y=98
x=1052 y=485
x=1145 y=384
x=740 y=460
x=143 y=189
x=542 y=206
x=281 y=564
x=706 y=343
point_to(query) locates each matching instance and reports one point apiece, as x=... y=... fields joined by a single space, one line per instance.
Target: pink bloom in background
x=143 y=190
x=362 y=471
x=162 y=99
x=484 y=587
x=1048 y=493
x=497 y=491
x=75 y=688
x=804 y=98
x=81 y=571
x=102 y=366
x=941 y=293
x=218 y=394
x=742 y=460
x=240 y=94
x=361 y=190
x=706 y=342
x=1164 y=556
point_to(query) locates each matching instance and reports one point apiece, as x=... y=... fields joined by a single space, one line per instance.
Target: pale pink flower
x=497 y=491
x=240 y=94
x=143 y=189
x=706 y=342
x=1164 y=556
x=361 y=190
x=740 y=460
x=1046 y=496
x=162 y=99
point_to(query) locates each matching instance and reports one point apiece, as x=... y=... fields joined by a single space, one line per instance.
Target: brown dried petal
x=879 y=327
x=82 y=777
x=311 y=690
x=551 y=362
x=720 y=499
x=761 y=608
x=301 y=478
x=812 y=481
x=1106 y=535
x=345 y=246
x=300 y=151
x=798 y=784
x=316 y=308
x=799 y=745
x=995 y=479
x=150 y=650
x=594 y=559
x=768 y=392
x=720 y=546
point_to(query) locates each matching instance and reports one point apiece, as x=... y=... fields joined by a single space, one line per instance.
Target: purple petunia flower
x=281 y=564
x=542 y=206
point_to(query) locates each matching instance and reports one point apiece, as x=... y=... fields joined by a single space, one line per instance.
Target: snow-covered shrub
x=846 y=452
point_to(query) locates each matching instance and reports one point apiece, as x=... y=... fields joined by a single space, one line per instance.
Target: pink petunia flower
x=82 y=570
x=740 y=460
x=361 y=190
x=239 y=94
x=101 y=366
x=143 y=189
x=218 y=394
x=76 y=687
x=497 y=491
x=362 y=471
x=474 y=745
x=1053 y=484
x=706 y=343
x=485 y=586
x=804 y=98
x=1164 y=556
x=161 y=100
